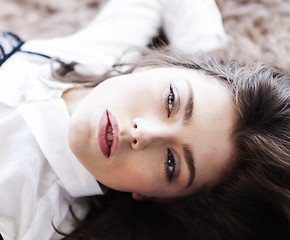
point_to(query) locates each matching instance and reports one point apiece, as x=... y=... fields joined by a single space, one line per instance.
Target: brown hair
x=253 y=202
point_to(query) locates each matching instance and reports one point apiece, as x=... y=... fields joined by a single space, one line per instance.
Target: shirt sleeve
x=130 y=22
x=193 y=25
x=119 y=25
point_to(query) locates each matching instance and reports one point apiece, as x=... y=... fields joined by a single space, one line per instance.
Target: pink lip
x=106 y=119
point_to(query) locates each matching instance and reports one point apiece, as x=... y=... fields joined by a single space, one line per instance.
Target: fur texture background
x=259 y=29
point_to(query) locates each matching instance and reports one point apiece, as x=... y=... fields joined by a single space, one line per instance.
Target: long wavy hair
x=252 y=201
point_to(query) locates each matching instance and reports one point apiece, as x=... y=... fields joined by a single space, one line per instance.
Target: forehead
x=210 y=132
x=175 y=74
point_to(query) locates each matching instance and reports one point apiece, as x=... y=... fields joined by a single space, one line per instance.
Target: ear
x=138 y=197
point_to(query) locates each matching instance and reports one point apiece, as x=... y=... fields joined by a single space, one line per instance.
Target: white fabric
x=119 y=25
x=40 y=177
x=193 y=25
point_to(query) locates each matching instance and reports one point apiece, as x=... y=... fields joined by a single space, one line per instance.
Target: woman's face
x=161 y=132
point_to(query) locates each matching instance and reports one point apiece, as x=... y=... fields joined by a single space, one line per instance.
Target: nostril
x=134 y=141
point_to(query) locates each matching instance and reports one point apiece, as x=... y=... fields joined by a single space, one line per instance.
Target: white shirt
x=40 y=177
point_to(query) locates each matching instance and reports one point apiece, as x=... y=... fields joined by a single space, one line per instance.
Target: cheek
x=122 y=88
x=134 y=101
x=137 y=171
x=134 y=175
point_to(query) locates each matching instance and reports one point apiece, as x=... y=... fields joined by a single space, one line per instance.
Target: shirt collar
x=48 y=121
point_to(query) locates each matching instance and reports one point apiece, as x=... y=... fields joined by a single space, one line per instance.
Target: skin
x=147 y=129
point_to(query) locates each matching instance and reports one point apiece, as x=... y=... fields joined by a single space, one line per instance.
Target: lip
x=108 y=119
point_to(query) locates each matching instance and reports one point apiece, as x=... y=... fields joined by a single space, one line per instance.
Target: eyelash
x=170 y=101
x=169 y=164
x=169 y=173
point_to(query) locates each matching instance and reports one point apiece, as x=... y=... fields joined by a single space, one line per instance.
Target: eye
x=170 y=165
x=170 y=100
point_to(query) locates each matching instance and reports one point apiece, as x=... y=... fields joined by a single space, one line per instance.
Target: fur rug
x=259 y=29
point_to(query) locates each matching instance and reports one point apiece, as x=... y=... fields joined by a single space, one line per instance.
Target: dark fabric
x=9 y=44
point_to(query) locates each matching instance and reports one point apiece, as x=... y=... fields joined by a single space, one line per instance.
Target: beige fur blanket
x=259 y=29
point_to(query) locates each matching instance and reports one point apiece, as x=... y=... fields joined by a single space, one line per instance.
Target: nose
x=145 y=133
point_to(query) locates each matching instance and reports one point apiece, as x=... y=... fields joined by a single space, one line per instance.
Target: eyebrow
x=190 y=164
x=188 y=107
x=187 y=152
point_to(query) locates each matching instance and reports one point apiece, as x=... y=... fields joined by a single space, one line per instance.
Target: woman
x=191 y=145
x=238 y=135
x=36 y=160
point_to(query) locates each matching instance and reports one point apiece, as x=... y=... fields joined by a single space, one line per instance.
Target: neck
x=74 y=96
